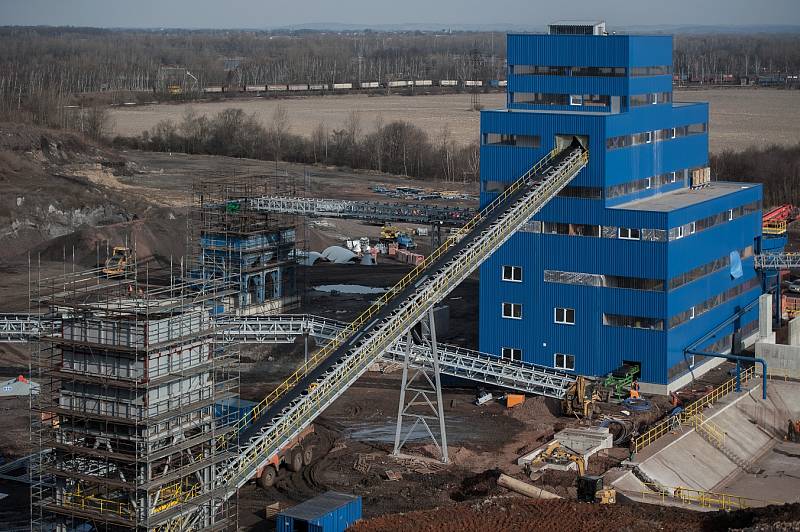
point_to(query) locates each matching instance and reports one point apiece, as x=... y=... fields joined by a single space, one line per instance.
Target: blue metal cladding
x=316 y=515
x=599 y=348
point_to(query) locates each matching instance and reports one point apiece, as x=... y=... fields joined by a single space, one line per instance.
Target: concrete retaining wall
x=782 y=360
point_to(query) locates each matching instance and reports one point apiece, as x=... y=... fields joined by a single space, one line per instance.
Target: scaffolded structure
x=132 y=379
x=235 y=240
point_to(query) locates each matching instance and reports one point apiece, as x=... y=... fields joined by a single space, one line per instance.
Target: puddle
x=350 y=289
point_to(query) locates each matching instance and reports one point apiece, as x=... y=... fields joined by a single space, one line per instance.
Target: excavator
x=581 y=398
x=590 y=487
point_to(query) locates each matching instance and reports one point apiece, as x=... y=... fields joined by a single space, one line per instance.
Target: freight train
x=273 y=88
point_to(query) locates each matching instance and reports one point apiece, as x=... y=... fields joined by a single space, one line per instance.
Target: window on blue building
x=634 y=322
x=511 y=353
x=630 y=233
x=564 y=361
x=512 y=311
x=565 y=316
x=512 y=273
x=509 y=139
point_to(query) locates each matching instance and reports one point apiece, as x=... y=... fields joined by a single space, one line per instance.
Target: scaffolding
x=128 y=428
x=236 y=242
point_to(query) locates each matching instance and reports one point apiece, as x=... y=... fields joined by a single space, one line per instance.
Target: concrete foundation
x=584 y=441
x=752 y=428
x=794 y=332
x=764 y=315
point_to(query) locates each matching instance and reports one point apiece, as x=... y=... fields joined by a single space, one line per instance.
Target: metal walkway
x=18 y=327
x=367 y=210
x=453 y=360
x=300 y=399
x=777 y=261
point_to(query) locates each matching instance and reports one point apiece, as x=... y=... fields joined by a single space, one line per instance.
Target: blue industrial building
x=641 y=254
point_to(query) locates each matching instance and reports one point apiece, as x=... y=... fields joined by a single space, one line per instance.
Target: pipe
x=523 y=488
x=738 y=359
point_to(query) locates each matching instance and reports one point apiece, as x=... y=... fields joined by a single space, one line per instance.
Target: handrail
x=694 y=409
x=373 y=309
x=705 y=499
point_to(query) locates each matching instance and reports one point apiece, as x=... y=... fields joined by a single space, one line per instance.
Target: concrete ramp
x=689 y=458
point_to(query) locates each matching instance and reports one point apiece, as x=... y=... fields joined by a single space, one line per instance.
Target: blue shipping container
x=329 y=512
x=229 y=411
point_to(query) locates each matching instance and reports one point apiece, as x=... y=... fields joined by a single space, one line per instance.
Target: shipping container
x=232 y=410
x=448 y=83
x=342 y=86
x=212 y=89
x=370 y=85
x=255 y=88
x=503 y=83
x=318 y=87
x=298 y=87
x=329 y=512
x=423 y=83
x=473 y=83
x=399 y=83
x=276 y=88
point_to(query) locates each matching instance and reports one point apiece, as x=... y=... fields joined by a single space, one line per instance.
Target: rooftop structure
x=636 y=258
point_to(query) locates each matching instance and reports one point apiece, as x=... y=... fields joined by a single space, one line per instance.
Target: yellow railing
x=175 y=494
x=406 y=281
x=707 y=428
x=78 y=501
x=773 y=228
x=704 y=499
x=690 y=412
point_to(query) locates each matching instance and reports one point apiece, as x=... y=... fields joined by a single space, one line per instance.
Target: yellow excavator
x=590 y=487
x=581 y=398
x=119 y=262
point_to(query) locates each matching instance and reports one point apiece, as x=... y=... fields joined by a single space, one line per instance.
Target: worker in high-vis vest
x=635 y=390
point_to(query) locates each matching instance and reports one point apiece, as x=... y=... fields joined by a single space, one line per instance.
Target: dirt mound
x=512 y=513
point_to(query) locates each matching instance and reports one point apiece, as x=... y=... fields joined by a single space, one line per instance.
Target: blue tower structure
x=641 y=255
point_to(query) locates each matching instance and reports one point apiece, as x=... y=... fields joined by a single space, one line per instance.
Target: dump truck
x=295 y=455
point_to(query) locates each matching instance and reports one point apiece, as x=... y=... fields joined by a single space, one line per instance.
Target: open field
x=739 y=117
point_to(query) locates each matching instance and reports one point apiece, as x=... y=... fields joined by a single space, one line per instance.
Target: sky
x=272 y=14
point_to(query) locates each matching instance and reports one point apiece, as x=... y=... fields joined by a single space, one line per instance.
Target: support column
x=422 y=383
x=764 y=315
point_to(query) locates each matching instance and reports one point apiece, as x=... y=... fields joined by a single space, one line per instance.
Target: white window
x=576 y=99
x=629 y=233
x=512 y=273
x=648 y=183
x=512 y=353
x=730 y=214
x=692 y=228
x=648 y=138
x=680 y=232
x=564 y=315
x=655 y=97
x=691 y=312
x=674 y=177
x=674 y=133
x=691 y=362
x=512 y=311
x=564 y=361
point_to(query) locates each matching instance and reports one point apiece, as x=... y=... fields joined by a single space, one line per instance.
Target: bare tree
x=279 y=130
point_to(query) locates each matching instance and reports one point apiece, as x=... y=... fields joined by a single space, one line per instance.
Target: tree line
x=396 y=147
x=777 y=167
x=43 y=70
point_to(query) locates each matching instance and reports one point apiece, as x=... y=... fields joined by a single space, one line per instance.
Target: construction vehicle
x=295 y=455
x=119 y=262
x=391 y=234
x=618 y=383
x=590 y=487
x=581 y=398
